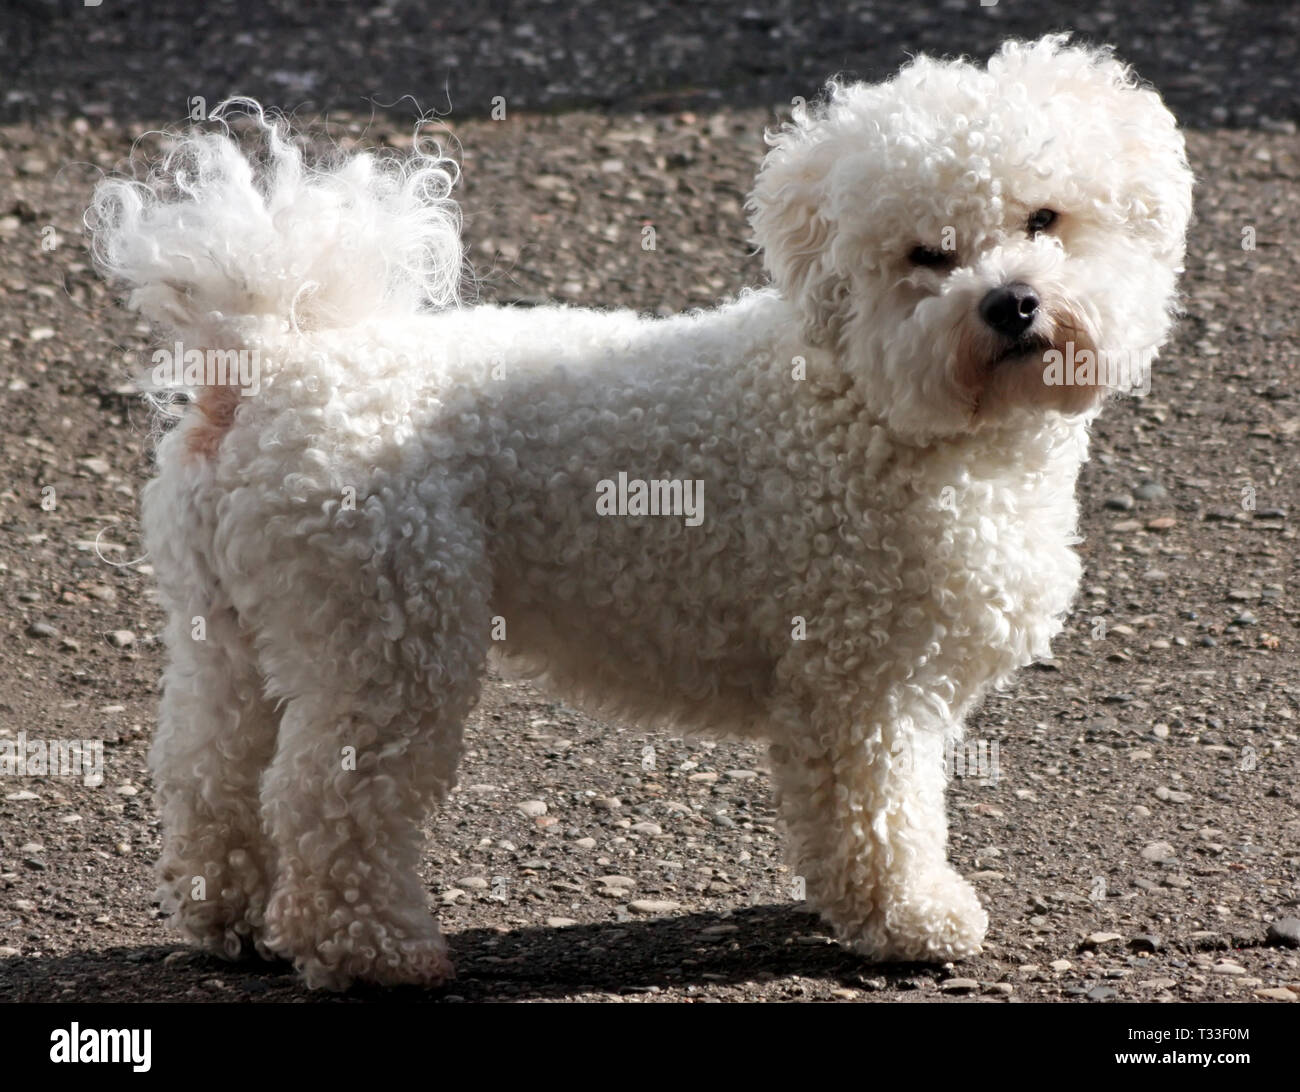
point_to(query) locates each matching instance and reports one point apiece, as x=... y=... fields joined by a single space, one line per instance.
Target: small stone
x=474 y=883
x=452 y=895
x=1004 y=989
x=653 y=906
x=1278 y=994
x=1096 y=939
x=41 y=629
x=650 y=830
x=1162 y=523
x=1120 y=502
x=7 y=952
x=1060 y=965
x=705 y=778
x=1147 y=490
x=1101 y=993
x=1172 y=796
x=533 y=808
x=1158 y=984
x=97 y=466
x=1285 y=931
x=1227 y=968
x=585 y=843
x=742 y=775
x=1159 y=851
x=1145 y=942
x=21 y=794
x=561 y=923
x=127 y=789
x=959 y=985
x=616 y=881
x=121 y=638
x=607 y=803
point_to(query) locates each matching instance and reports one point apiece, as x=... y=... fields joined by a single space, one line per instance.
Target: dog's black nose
x=1010 y=309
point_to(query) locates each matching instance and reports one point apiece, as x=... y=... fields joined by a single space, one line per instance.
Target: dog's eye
x=930 y=258
x=1040 y=221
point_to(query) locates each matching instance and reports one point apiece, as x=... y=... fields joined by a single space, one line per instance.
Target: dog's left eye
x=929 y=258
x=1041 y=221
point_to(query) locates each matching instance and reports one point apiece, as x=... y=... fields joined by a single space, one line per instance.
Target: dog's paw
x=933 y=920
x=422 y=962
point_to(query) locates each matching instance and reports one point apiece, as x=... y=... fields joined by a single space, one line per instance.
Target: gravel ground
x=1142 y=837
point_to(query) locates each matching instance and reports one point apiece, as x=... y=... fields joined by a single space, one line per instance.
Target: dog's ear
x=790 y=214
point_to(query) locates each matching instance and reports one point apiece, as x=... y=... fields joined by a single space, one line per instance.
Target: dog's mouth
x=1030 y=345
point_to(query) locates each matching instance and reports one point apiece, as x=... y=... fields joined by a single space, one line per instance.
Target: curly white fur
x=888 y=492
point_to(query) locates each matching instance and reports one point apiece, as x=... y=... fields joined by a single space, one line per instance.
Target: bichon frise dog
x=830 y=514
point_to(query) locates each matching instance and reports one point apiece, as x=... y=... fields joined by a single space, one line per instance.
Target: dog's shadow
x=692 y=952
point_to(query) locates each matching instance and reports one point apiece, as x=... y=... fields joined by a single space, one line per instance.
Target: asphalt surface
x=1142 y=838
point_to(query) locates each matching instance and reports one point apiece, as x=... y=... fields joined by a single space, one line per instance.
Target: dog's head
x=971 y=242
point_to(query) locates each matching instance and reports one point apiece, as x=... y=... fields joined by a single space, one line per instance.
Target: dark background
x=1226 y=63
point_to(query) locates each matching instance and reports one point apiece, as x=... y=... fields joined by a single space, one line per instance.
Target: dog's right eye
x=929 y=258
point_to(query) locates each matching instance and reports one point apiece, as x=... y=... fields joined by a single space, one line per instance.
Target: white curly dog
x=864 y=478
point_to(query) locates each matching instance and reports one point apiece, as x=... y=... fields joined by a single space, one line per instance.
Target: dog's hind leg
x=369 y=742
x=216 y=727
x=216 y=733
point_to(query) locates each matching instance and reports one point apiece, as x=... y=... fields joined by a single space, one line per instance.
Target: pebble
x=1285 y=931
x=7 y=952
x=533 y=808
x=1145 y=942
x=21 y=794
x=121 y=638
x=1227 y=968
x=607 y=803
x=1280 y=994
x=561 y=923
x=474 y=883
x=1060 y=965
x=959 y=985
x=1147 y=490
x=616 y=881
x=1172 y=796
x=585 y=843
x=742 y=775
x=1158 y=984
x=651 y=830
x=1101 y=993
x=1162 y=523
x=1103 y=938
x=1120 y=502
x=41 y=629
x=1159 y=851
x=653 y=906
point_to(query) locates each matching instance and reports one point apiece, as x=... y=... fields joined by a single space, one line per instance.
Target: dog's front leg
x=864 y=809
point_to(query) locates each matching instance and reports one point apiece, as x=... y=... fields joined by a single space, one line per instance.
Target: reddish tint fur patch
x=216 y=407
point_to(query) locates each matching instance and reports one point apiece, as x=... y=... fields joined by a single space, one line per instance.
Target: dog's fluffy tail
x=223 y=246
